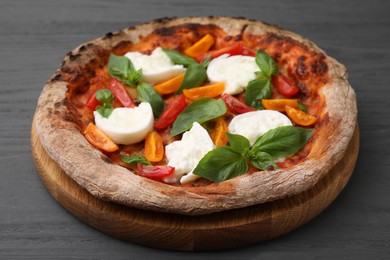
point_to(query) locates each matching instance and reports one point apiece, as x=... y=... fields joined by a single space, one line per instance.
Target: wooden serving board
x=224 y=230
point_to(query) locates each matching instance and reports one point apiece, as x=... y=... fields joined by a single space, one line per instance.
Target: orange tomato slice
x=200 y=47
x=208 y=91
x=154 y=147
x=299 y=117
x=169 y=86
x=99 y=139
x=219 y=136
x=279 y=104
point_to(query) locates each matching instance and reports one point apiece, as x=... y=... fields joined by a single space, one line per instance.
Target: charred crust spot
x=121 y=48
x=164 y=31
x=56 y=77
x=108 y=35
x=319 y=67
x=60 y=103
x=301 y=69
x=82 y=48
x=243 y=28
x=73 y=57
x=163 y=19
x=106 y=159
x=70 y=117
x=304 y=91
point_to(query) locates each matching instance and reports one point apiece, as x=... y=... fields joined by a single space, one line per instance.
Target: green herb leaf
x=266 y=64
x=134 y=159
x=104 y=96
x=178 y=58
x=238 y=142
x=302 y=107
x=205 y=62
x=282 y=141
x=256 y=90
x=200 y=111
x=122 y=68
x=148 y=94
x=261 y=160
x=221 y=164
x=104 y=110
x=194 y=77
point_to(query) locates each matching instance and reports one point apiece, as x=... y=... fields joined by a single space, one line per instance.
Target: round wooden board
x=224 y=230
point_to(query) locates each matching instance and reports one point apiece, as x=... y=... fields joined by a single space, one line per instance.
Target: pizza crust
x=60 y=135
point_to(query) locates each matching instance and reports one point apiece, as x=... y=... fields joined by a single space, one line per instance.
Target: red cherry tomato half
x=171 y=112
x=284 y=85
x=236 y=48
x=235 y=105
x=155 y=172
x=92 y=102
x=120 y=93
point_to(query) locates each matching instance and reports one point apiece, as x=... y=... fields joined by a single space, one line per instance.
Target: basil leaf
x=134 y=159
x=266 y=64
x=178 y=58
x=262 y=160
x=104 y=96
x=238 y=142
x=256 y=90
x=122 y=68
x=148 y=94
x=282 y=141
x=200 y=111
x=104 y=110
x=302 y=107
x=221 y=164
x=206 y=61
x=194 y=77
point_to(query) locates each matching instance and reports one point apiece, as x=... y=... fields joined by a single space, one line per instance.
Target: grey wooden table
x=35 y=36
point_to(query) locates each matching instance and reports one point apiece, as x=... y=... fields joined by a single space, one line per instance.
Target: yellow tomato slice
x=208 y=91
x=154 y=147
x=279 y=104
x=200 y=47
x=219 y=136
x=170 y=86
x=299 y=117
x=99 y=139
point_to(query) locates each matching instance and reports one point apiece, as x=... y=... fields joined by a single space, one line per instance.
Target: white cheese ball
x=254 y=124
x=235 y=71
x=127 y=125
x=156 y=67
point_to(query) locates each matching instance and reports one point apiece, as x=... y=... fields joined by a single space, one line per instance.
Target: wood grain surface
x=35 y=36
x=219 y=231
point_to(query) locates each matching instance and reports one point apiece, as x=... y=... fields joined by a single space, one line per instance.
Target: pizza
x=197 y=115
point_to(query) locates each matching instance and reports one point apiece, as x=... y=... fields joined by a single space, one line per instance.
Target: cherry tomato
x=171 y=112
x=236 y=48
x=98 y=139
x=120 y=93
x=170 y=86
x=299 y=117
x=284 y=85
x=279 y=104
x=200 y=47
x=92 y=102
x=235 y=105
x=155 y=172
x=208 y=91
x=218 y=135
x=154 y=147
